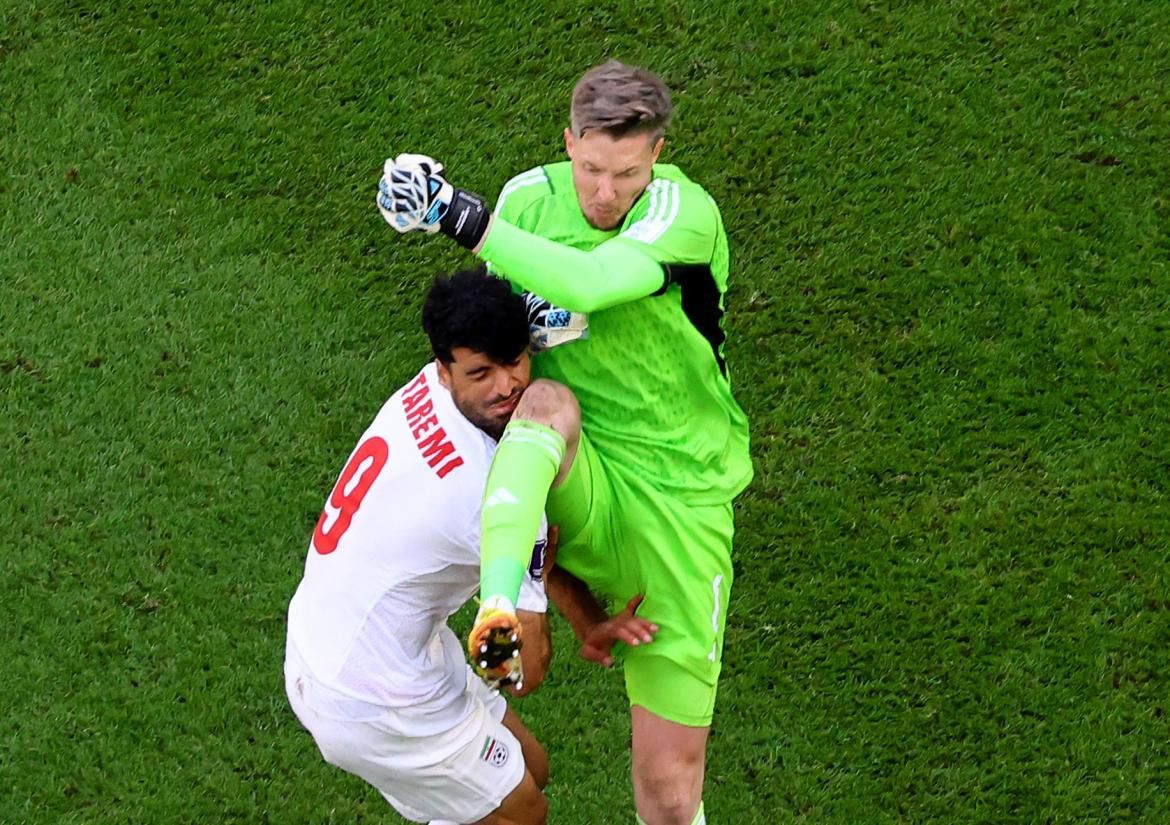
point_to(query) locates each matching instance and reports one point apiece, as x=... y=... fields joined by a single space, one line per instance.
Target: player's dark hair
x=474 y=309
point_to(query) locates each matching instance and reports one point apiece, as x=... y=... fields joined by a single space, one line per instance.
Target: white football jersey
x=396 y=552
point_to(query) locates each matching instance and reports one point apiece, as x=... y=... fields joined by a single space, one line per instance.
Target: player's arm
x=596 y=630
x=611 y=273
x=414 y=196
x=536 y=652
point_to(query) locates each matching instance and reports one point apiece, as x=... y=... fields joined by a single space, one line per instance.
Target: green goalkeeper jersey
x=650 y=376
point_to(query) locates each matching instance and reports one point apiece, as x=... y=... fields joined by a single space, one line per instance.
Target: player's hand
x=413 y=195
x=550 y=326
x=550 y=552
x=494 y=644
x=622 y=627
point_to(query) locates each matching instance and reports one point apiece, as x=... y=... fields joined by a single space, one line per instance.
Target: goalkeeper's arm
x=611 y=273
x=413 y=195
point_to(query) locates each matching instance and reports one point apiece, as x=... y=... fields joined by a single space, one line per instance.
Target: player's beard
x=485 y=417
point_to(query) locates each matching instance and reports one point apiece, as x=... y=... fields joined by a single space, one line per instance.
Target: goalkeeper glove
x=550 y=326
x=413 y=196
x=494 y=644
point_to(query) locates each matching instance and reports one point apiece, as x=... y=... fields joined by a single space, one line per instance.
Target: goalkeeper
x=625 y=261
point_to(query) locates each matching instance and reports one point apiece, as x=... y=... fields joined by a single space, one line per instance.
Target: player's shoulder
x=531 y=186
x=669 y=176
x=673 y=201
x=436 y=443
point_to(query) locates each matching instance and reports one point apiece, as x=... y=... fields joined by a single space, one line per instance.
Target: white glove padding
x=426 y=162
x=413 y=195
x=550 y=326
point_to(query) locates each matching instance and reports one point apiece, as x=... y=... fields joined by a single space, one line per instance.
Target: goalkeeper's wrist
x=466 y=219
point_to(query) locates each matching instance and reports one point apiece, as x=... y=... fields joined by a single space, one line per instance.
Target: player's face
x=609 y=174
x=485 y=391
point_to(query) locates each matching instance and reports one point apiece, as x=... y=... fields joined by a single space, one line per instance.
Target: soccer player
x=626 y=261
x=371 y=668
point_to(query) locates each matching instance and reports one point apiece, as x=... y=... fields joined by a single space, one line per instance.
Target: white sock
x=700 y=817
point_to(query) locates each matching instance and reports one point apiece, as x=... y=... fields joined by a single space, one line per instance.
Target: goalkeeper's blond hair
x=620 y=100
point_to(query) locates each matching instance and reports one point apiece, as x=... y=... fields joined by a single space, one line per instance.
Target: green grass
x=948 y=323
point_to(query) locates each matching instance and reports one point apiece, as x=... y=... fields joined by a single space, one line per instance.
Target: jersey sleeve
x=676 y=223
x=573 y=279
x=518 y=195
x=532 y=593
x=520 y=192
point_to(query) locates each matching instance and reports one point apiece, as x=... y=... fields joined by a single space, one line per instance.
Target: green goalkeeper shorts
x=623 y=537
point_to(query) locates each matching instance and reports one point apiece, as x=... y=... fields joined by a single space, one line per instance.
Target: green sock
x=523 y=469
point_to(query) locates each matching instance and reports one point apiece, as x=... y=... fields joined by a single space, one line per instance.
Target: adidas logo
x=501 y=495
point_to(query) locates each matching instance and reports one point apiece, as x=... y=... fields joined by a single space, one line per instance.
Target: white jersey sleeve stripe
x=544 y=441
x=530 y=178
x=664 y=203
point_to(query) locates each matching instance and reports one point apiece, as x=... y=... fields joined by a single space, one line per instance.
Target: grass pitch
x=948 y=323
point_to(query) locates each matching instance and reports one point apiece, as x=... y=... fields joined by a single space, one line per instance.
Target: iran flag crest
x=494 y=752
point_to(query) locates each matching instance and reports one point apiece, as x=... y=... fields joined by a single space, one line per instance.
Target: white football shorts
x=461 y=773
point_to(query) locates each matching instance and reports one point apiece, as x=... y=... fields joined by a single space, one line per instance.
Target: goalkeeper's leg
x=535 y=454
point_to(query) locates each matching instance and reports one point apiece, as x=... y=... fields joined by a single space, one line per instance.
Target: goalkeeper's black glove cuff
x=466 y=219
